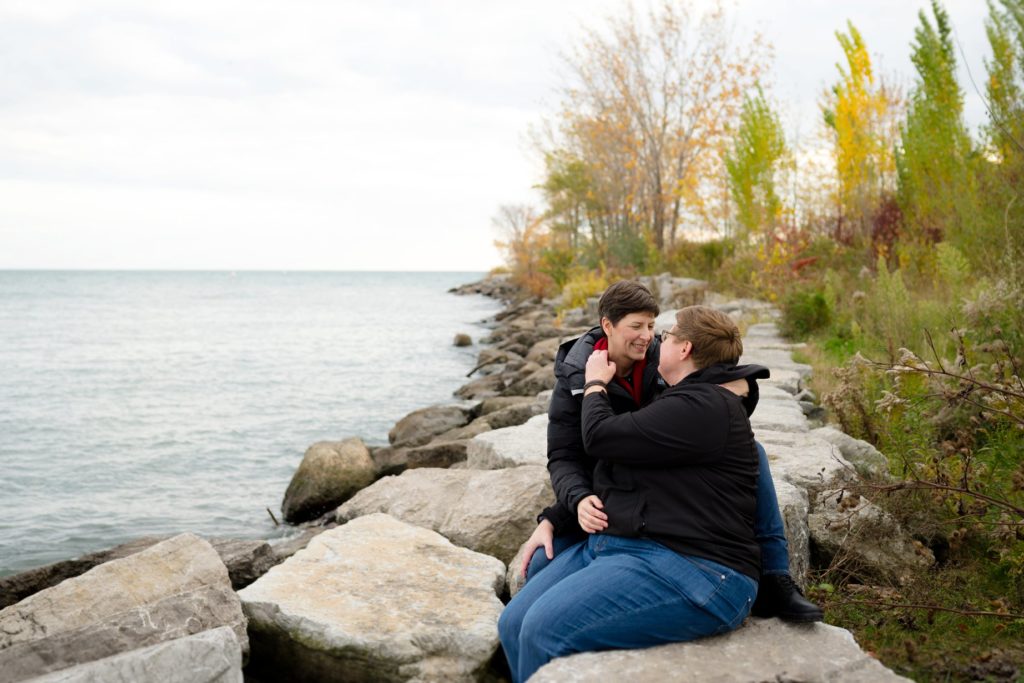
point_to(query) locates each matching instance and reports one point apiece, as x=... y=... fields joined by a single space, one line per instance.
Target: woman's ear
x=607 y=326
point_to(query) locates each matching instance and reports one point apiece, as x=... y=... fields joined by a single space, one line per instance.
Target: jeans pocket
x=697 y=582
x=733 y=593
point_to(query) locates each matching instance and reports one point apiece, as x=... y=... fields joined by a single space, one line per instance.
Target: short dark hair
x=714 y=335
x=625 y=297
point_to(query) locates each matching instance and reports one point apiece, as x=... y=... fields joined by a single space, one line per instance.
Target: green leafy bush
x=805 y=311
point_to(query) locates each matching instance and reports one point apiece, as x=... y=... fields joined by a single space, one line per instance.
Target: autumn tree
x=1001 y=171
x=862 y=114
x=753 y=164
x=935 y=187
x=523 y=239
x=646 y=114
x=1004 y=27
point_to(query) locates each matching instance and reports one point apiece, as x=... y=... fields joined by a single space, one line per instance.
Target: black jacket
x=683 y=470
x=570 y=469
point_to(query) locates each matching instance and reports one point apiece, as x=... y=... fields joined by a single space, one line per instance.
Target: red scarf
x=635 y=384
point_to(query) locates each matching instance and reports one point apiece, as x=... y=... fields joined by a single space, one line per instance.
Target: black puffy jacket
x=683 y=470
x=571 y=471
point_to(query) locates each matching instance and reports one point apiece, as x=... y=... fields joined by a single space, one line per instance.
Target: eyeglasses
x=665 y=334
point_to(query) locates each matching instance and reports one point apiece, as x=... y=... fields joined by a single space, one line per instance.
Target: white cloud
x=381 y=135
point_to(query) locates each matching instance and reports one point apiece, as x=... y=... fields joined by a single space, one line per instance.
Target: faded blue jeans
x=768 y=528
x=611 y=592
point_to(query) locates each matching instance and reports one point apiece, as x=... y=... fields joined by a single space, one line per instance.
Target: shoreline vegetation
x=891 y=238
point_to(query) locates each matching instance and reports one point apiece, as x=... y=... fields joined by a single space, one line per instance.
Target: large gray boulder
x=869 y=542
x=212 y=656
x=420 y=426
x=330 y=472
x=675 y=292
x=533 y=382
x=762 y=650
x=170 y=590
x=436 y=454
x=487 y=511
x=491 y=405
x=19 y=586
x=867 y=459
x=246 y=560
x=514 y=415
x=481 y=387
x=804 y=460
x=543 y=352
x=525 y=444
x=376 y=600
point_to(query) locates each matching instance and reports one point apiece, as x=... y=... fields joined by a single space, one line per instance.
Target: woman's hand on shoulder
x=740 y=387
x=599 y=367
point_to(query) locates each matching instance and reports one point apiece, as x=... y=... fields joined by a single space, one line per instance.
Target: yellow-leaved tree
x=862 y=114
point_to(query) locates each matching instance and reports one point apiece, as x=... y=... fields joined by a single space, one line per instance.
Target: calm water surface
x=135 y=403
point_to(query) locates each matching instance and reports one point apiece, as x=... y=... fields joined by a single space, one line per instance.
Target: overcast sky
x=326 y=135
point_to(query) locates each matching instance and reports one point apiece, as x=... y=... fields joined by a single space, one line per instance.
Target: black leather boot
x=779 y=596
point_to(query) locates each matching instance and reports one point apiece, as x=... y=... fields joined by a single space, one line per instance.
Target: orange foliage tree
x=648 y=114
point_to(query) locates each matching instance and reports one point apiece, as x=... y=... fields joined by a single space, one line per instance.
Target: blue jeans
x=611 y=592
x=768 y=528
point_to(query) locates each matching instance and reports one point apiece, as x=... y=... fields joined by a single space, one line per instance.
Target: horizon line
x=232 y=270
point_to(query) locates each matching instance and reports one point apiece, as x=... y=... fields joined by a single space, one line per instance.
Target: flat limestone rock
x=376 y=600
x=789 y=381
x=245 y=560
x=762 y=650
x=775 y=358
x=175 y=588
x=20 y=586
x=779 y=416
x=868 y=460
x=489 y=511
x=212 y=656
x=771 y=392
x=525 y=444
x=803 y=459
x=793 y=505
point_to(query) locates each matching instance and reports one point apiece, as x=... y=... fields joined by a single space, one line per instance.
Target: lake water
x=137 y=403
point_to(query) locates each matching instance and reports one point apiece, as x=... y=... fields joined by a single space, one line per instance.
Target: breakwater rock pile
x=406 y=553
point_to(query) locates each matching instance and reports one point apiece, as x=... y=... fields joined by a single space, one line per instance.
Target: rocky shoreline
x=406 y=553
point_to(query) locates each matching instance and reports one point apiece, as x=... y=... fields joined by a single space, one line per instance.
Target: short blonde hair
x=714 y=335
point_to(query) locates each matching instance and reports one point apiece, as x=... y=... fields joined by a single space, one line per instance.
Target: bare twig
x=276 y=523
x=923 y=484
x=945 y=373
x=932 y=608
